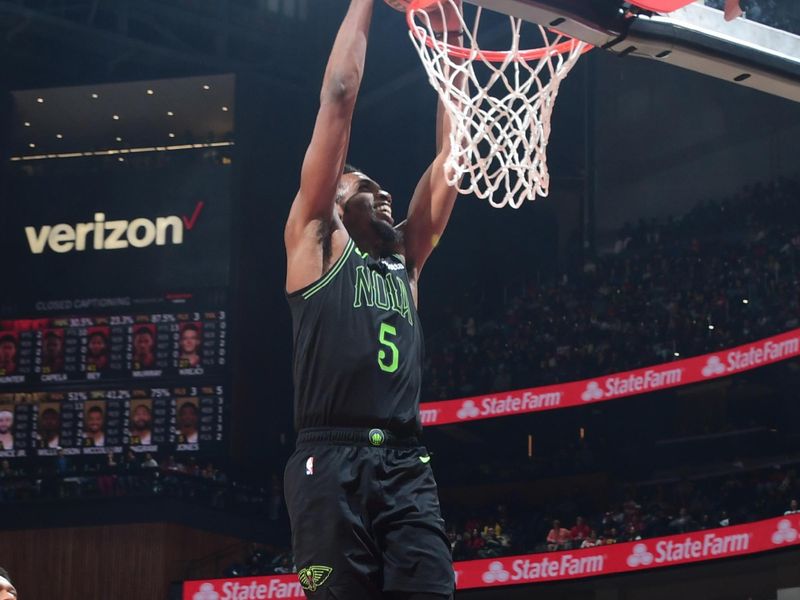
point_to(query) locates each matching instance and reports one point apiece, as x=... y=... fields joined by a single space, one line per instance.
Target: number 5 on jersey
x=388 y=358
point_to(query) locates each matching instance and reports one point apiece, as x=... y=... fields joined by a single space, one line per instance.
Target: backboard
x=760 y=55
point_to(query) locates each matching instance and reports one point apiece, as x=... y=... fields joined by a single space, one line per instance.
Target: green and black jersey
x=358 y=346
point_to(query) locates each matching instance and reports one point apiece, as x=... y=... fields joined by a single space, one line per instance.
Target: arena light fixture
x=27 y=123
x=95 y=96
x=172 y=135
x=711 y=328
x=745 y=301
x=115 y=117
x=59 y=136
x=224 y=109
x=40 y=100
x=150 y=92
x=31 y=145
x=119 y=139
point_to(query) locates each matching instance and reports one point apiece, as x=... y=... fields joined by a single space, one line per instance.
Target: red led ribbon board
x=617 y=385
x=629 y=557
x=663 y=6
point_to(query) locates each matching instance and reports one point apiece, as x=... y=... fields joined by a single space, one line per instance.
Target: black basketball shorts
x=365 y=516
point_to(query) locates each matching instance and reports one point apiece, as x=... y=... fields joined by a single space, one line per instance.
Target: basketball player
x=7 y=589
x=362 y=499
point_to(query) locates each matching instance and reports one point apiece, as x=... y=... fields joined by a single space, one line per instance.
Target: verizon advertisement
x=712 y=544
x=618 y=385
x=119 y=232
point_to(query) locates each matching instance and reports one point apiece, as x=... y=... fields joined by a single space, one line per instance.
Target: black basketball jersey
x=358 y=346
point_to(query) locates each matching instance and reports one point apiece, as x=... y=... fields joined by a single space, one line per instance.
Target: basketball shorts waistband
x=356 y=436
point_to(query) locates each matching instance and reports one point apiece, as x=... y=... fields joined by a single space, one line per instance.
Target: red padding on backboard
x=663 y=6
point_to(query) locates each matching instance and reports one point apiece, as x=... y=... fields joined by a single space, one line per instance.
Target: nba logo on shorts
x=310 y=466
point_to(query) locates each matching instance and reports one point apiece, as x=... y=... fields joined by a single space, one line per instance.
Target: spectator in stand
x=793 y=510
x=106 y=481
x=149 y=462
x=558 y=537
x=579 y=532
x=591 y=540
x=7 y=589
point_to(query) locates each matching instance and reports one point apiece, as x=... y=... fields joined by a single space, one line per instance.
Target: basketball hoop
x=499 y=102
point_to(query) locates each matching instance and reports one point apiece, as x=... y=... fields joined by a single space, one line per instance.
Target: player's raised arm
x=312 y=217
x=433 y=199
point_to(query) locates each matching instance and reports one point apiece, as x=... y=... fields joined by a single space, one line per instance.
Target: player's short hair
x=144 y=330
x=51 y=334
x=98 y=333
x=4 y=574
x=8 y=338
x=191 y=327
x=94 y=409
x=144 y=406
x=348 y=168
x=47 y=411
x=190 y=405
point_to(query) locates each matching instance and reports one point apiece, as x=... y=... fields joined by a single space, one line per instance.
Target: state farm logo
x=207 y=592
x=640 y=557
x=101 y=234
x=786 y=534
x=713 y=367
x=468 y=410
x=592 y=392
x=496 y=573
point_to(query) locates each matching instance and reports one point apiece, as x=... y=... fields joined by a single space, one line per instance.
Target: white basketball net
x=500 y=113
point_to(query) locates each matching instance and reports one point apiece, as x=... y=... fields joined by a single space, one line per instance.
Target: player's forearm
x=346 y=63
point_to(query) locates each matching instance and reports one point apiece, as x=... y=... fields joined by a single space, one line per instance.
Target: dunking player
x=362 y=500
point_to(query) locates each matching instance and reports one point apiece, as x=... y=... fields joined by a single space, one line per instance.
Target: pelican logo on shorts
x=376 y=437
x=310 y=466
x=313 y=577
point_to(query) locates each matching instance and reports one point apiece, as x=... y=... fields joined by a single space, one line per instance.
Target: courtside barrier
x=617 y=385
x=628 y=557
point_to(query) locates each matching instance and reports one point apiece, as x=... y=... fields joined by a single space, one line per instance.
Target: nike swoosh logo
x=425 y=459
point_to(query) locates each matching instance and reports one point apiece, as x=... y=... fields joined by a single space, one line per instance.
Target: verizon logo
x=102 y=234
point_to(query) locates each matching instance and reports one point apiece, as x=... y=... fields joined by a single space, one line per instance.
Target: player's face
x=141 y=418
x=187 y=418
x=8 y=351
x=143 y=343
x=52 y=346
x=364 y=199
x=7 y=590
x=97 y=345
x=94 y=421
x=50 y=421
x=6 y=422
x=189 y=341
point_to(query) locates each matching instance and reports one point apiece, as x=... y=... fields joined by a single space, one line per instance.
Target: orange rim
x=494 y=56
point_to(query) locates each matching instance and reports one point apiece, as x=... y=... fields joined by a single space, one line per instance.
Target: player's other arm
x=312 y=219
x=433 y=199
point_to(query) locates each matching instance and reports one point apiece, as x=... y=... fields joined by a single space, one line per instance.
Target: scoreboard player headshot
x=189 y=342
x=144 y=342
x=8 y=354
x=50 y=426
x=188 y=418
x=97 y=350
x=53 y=351
x=94 y=426
x=6 y=428
x=141 y=424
